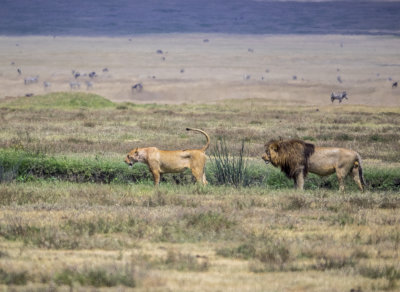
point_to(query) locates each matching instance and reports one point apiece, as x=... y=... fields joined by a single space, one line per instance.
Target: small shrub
x=97 y=277
x=230 y=169
x=294 y=202
x=244 y=251
x=185 y=262
x=390 y=273
x=10 y=174
x=267 y=255
x=343 y=137
x=13 y=278
x=209 y=221
x=337 y=261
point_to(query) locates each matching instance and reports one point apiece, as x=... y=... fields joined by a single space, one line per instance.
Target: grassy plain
x=73 y=217
x=57 y=234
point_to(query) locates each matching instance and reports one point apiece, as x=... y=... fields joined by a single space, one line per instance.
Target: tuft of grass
x=13 y=278
x=209 y=221
x=389 y=272
x=229 y=168
x=98 y=277
x=266 y=254
x=185 y=262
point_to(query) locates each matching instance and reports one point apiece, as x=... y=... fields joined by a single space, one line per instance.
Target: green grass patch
x=59 y=100
x=13 y=278
x=22 y=166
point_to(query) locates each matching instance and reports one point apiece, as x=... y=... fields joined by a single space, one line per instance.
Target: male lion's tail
x=358 y=164
x=205 y=134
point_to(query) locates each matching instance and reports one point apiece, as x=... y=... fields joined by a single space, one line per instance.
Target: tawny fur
x=162 y=161
x=296 y=158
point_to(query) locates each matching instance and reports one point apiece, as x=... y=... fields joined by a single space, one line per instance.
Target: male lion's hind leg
x=341 y=174
x=356 y=176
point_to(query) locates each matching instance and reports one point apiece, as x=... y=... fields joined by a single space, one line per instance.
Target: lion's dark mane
x=291 y=154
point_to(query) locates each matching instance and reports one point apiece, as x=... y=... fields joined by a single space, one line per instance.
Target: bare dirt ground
x=194 y=68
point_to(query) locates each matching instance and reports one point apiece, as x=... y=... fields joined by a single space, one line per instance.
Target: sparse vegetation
x=68 y=201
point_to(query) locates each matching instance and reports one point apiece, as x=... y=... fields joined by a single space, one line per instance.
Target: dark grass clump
x=99 y=277
x=230 y=169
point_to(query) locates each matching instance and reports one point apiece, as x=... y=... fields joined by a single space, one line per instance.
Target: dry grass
x=188 y=237
x=220 y=237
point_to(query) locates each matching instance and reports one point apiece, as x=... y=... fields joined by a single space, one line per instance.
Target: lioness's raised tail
x=205 y=134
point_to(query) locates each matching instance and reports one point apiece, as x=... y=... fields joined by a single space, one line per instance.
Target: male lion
x=161 y=161
x=296 y=158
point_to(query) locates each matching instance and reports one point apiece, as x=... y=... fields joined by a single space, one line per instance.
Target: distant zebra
x=76 y=74
x=339 y=96
x=46 y=84
x=30 y=80
x=394 y=85
x=137 y=87
x=74 y=85
x=89 y=84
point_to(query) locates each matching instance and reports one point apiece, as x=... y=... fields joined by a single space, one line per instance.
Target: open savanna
x=79 y=218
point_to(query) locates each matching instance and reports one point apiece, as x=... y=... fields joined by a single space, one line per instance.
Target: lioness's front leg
x=156 y=177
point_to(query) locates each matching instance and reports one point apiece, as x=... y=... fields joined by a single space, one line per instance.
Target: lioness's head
x=134 y=156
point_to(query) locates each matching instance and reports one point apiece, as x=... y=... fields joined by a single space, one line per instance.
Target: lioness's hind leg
x=199 y=175
x=204 y=178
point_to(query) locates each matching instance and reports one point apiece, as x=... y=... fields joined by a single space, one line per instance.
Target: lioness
x=161 y=161
x=296 y=158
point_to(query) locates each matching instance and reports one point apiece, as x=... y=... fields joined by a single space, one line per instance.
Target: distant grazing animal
x=161 y=161
x=339 y=96
x=89 y=84
x=76 y=74
x=92 y=74
x=296 y=158
x=74 y=85
x=339 y=79
x=394 y=85
x=30 y=80
x=138 y=87
x=19 y=71
x=46 y=84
